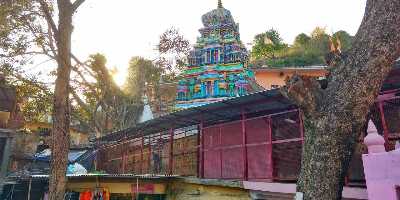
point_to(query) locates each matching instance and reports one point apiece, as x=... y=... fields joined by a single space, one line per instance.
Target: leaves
x=306 y=50
x=22 y=30
x=99 y=102
x=173 y=50
x=268 y=45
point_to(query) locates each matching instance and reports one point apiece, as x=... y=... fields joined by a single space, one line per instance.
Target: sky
x=121 y=29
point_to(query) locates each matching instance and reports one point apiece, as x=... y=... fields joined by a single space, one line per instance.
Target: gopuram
x=217 y=66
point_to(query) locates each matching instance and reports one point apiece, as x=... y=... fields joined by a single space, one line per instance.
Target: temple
x=217 y=66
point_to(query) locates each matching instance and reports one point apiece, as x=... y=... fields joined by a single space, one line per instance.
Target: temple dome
x=217 y=17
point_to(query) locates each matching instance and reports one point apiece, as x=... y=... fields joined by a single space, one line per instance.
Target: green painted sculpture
x=217 y=65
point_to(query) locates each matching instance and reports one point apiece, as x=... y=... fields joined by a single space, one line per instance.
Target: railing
x=388 y=108
x=170 y=152
x=385 y=114
x=262 y=148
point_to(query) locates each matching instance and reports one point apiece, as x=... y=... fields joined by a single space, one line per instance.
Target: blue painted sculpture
x=217 y=66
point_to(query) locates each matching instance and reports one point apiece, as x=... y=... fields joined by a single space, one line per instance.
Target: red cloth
x=87 y=195
x=106 y=194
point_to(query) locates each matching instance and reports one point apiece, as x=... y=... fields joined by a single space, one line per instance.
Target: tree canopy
x=98 y=102
x=173 y=49
x=268 y=45
x=306 y=50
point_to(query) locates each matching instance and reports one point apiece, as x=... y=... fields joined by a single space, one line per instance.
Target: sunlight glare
x=119 y=77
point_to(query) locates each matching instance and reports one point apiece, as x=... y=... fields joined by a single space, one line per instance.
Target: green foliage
x=105 y=107
x=36 y=103
x=345 y=39
x=34 y=98
x=21 y=31
x=301 y=40
x=23 y=36
x=318 y=32
x=141 y=72
x=268 y=45
x=305 y=51
x=301 y=60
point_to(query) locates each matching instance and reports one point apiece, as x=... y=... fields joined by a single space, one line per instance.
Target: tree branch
x=36 y=84
x=47 y=14
x=304 y=91
x=79 y=100
x=91 y=87
x=76 y=5
x=84 y=65
x=51 y=39
x=22 y=54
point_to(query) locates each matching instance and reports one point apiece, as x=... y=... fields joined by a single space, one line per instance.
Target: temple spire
x=220 y=4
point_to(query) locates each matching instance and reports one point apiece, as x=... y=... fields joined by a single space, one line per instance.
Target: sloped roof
x=266 y=101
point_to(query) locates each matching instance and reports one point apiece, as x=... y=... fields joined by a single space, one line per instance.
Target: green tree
x=99 y=103
x=28 y=28
x=319 y=43
x=307 y=50
x=302 y=40
x=344 y=38
x=33 y=96
x=140 y=73
x=268 y=45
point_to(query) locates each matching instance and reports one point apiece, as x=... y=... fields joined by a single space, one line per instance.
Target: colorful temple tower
x=217 y=66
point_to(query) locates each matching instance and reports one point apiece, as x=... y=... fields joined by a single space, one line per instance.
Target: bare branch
x=82 y=64
x=36 y=84
x=51 y=39
x=21 y=54
x=48 y=17
x=75 y=69
x=79 y=100
x=76 y=5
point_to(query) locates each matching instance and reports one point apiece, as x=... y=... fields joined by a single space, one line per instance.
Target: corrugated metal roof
x=267 y=101
x=292 y=68
x=77 y=176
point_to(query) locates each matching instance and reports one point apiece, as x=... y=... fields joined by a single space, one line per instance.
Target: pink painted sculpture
x=374 y=141
x=381 y=168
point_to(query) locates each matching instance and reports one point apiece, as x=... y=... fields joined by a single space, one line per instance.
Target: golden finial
x=220 y=4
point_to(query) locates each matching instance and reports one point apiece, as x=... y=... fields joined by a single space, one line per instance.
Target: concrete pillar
x=380 y=167
x=374 y=142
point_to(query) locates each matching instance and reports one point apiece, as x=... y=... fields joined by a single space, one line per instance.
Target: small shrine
x=217 y=65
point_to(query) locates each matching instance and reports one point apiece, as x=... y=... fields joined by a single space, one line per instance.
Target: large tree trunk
x=327 y=151
x=334 y=115
x=60 y=133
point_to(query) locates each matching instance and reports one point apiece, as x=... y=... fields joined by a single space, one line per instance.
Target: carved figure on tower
x=217 y=65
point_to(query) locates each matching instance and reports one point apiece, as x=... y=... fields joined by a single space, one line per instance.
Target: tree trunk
x=326 y=155
x=60 y=133
x=334 y=115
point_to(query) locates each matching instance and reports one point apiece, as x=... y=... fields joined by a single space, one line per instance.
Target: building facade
x=271 y=78
x=217 y=66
